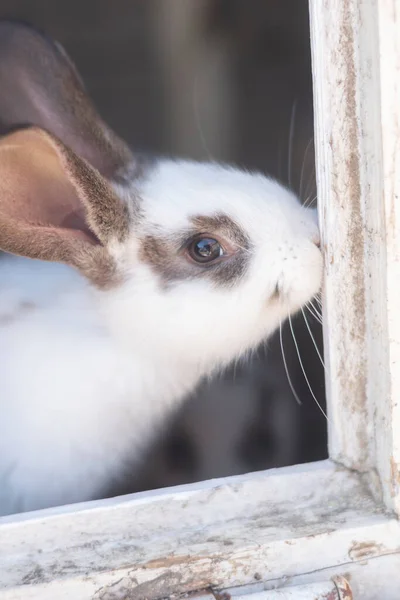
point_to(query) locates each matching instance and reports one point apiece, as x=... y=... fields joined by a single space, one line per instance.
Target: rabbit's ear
x=40 y=86
x=55 y=206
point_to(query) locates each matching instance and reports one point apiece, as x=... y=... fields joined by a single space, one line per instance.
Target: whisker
x=280 y=159
x=313 y=340
x=319 y=301
x=291 y=136
x=318 y=298
x=299 y=402
x=317 y=309
x=243 y=249
x=310 y=183
x=309 y=201
x=314 y=314
x=302 y=169
x=310 y=318
x=304 y=372
x=196 y=111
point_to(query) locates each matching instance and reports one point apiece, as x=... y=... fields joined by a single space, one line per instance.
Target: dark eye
x=205 y=250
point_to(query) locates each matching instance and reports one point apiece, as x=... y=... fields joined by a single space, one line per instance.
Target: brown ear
x=54 y=206
x=40 y=86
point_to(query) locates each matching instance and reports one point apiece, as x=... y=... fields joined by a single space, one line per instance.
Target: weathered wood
x=374 y=579
x=264 y=526
x=389 y=412
x=356 y=66
x=337 y=589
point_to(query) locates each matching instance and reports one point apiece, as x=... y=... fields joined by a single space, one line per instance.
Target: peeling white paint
x=356 y=65
x=229 y=532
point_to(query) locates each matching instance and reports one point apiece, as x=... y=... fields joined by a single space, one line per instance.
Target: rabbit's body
x=75 y=406
x=172 y=270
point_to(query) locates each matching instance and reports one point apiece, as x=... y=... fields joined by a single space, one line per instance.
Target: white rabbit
x=171 y=269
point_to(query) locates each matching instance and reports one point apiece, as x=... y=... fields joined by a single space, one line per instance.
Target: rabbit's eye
x=205 y=250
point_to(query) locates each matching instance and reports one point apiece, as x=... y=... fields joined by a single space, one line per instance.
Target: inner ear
x=54 y=205
x=35 y=189
x=75 y=219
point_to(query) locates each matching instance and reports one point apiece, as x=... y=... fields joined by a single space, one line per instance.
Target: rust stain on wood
x=394 y=476
x=333 y=595
x=171 y=582
x=343 y=588
x=127 y=588
x=347 y=192
x=222 y=596
x=365 y=550
x=165 y=563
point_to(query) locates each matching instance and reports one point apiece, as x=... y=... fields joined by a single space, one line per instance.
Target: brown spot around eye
x=225 y=225
x=162 y=253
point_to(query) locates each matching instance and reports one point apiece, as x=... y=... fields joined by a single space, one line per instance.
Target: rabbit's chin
x=194 y=328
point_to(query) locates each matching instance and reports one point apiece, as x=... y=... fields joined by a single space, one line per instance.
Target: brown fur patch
x=108 y=215
x=99 y=267
x=221 y=223
x=92 y=261
x=164 y=254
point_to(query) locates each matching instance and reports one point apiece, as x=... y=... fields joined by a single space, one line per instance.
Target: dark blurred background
x=211 y=79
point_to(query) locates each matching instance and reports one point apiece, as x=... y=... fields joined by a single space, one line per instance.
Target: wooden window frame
x=303 y=525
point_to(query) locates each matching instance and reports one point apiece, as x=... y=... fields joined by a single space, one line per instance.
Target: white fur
x=87 y=376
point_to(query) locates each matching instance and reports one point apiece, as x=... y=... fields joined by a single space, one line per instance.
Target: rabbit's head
x=198 y=262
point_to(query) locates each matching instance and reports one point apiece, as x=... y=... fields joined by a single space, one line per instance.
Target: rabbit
x=127 y=280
